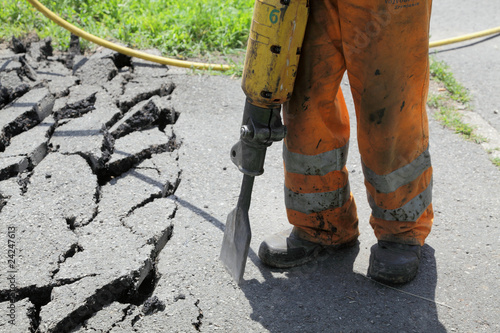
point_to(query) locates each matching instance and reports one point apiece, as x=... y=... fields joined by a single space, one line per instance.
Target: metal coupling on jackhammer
x=260 y=128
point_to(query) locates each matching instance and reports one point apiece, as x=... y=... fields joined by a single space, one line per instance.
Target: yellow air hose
x=465 y=37
x=188 y=64
x=121 y=49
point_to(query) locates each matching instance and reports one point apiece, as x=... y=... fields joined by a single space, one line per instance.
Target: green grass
x=449 y=117
x=440 y=72
x=445 y=104
x=496 y=161
x=183 y=28
x=436 y=101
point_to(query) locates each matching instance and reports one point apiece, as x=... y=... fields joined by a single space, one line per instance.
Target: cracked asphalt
x=115 y=183
x=89 y=160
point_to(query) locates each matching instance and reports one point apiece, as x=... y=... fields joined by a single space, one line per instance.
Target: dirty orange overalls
x=383 y=45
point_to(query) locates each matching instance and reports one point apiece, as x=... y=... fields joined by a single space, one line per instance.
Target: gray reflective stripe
x=411 y=211
x=308 y=203
x=402 y=176
x=319 y=165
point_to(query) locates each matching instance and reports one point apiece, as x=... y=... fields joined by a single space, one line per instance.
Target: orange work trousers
x=383 y=45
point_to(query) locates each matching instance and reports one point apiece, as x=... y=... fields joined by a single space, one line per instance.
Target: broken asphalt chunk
x=140 y=89
x=16 y=316
x=130 y=150
x=24 y=113
x=153 y=178
x=86 y=135
x=97 y=70
x=80 y=100
x=39 y=51
x=26 y=150
x=143 y=115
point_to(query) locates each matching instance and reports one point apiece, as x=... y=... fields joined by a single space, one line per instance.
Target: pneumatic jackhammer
x=272 y=57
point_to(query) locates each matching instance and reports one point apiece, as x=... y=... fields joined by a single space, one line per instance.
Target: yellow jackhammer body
x=271 y=62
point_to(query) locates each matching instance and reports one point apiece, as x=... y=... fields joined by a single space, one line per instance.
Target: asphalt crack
x=26 y=70
x=168 y=190
x=197 y=324
x=38 y=300
x=102 y=297
x=76 y=109
x=9 y=94
x=148 y=113
x=25 y=113
x=122 y=166
x=3 y=201
x=144 y=93
x=25 y=122
x=126 y=313
x=23 y=180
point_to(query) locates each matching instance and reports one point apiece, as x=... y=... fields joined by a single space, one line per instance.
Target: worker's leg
x=317 y=196
x=386 y=50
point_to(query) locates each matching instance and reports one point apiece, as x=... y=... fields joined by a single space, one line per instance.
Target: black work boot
x=394 y=263
x=285 y=249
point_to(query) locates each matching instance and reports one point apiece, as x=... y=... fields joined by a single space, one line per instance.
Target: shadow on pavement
x=328 y=296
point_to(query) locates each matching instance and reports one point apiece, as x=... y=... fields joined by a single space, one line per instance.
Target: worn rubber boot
x=285 y=249
x=394 y=263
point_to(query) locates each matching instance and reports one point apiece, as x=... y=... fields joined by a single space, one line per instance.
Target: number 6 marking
x=274 y=16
